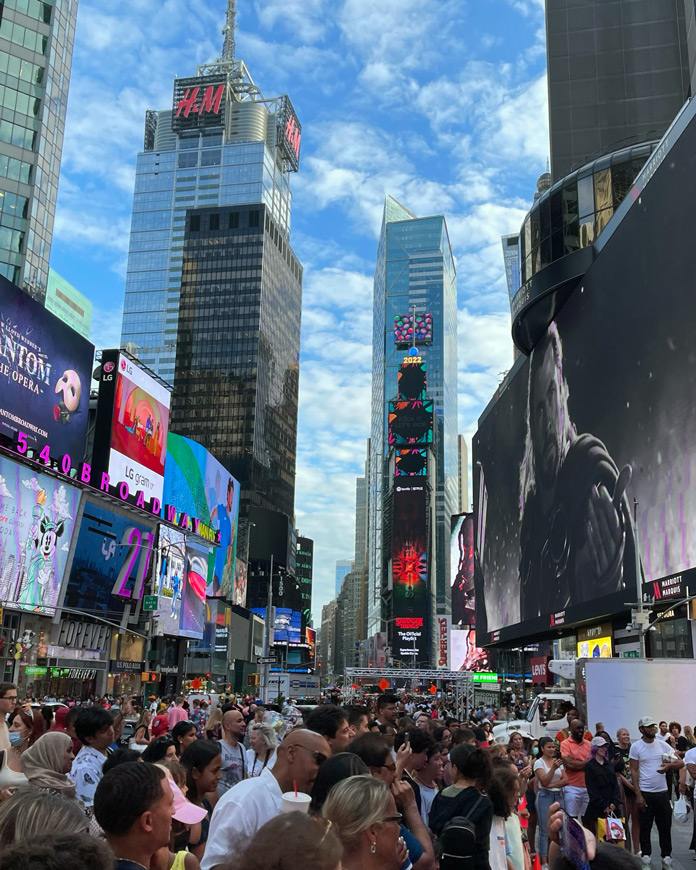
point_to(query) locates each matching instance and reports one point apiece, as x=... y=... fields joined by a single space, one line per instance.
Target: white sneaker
x=667 y=863
x=645 y=860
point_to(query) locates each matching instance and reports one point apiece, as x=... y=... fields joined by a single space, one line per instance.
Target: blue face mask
x=15 y=738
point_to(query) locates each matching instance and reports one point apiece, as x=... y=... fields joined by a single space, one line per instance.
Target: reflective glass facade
x=36 y=45
x=414 y=267
x=237 y=349
x=191 y=172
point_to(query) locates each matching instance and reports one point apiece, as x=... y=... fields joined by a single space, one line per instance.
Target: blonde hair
x=354 y=805
x=31 y=813
x=214 y=719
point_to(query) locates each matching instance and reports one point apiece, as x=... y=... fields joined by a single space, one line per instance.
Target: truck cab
x=545 y=718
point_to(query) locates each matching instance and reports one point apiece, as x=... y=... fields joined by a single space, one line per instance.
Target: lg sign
x=210 y=103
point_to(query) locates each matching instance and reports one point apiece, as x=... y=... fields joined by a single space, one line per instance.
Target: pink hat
x=185 y=811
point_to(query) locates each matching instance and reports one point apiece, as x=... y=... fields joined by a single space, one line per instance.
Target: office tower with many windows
x=36 y=46
x=343 y=566
x=415 y=278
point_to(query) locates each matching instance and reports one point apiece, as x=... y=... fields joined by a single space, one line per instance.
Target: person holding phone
x=551 y=778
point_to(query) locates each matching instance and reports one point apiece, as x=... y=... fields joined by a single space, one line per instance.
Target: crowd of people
x=387 y=784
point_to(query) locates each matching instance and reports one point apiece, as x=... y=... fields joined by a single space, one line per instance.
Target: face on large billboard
x=192 y=621
x=197 y=485
x=169 y=579
x=37 y=521
x=112 y=562
x=602 y=418
x=45 y=376
x=462 y=566
x=410 y=573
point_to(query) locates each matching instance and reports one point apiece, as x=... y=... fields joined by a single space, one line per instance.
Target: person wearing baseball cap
x=650 y=759
x=602 y=783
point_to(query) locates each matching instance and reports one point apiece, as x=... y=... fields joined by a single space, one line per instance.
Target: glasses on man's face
x=319 y=757
x=12 y=698
x=396 y=819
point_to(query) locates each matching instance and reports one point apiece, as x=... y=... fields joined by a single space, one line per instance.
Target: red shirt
x=578 y=752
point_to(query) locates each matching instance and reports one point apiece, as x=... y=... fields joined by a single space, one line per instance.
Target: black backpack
x=458 y=841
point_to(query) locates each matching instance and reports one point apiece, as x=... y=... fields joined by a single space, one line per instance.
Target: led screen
x=410 y=423
x=45 y=376
x=287 y=627
x=169 y=579
x=462 y=567
x=37 y=521
x=412 y=380
x=604 y=417
x=409 y=331
x=411 y=463
x=239 y=593
x=410 y=574
x=112 y=561
x=464 y=654
x=192 y=621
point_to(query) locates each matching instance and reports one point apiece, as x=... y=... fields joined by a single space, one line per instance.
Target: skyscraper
x=36 y=46
x=222 y=143
x=414 y=276
x=343 y=566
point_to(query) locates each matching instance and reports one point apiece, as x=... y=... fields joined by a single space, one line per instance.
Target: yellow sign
x=597 y=648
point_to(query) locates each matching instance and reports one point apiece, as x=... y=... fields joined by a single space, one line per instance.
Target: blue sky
x=440 y=103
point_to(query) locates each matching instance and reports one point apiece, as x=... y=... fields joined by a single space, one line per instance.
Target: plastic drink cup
x=295 y=803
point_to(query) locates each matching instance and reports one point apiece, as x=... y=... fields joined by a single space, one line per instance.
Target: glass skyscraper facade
x=36 y=46
x=415 y=269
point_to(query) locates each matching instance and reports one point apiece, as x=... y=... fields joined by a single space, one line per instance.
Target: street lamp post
x=267 y=635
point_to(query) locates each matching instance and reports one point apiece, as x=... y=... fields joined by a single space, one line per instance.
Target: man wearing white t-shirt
x=649 y=760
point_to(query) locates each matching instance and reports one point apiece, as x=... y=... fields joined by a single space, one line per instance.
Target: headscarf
x=42 y=763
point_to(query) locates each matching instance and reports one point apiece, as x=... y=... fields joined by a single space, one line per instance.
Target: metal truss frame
x=461 y=681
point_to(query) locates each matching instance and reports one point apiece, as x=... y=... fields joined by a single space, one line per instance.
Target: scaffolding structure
x=461 y=682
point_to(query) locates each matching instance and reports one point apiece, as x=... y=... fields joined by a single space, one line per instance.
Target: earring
x=373 y=848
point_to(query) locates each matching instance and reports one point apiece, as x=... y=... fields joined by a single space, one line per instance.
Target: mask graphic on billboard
x=169 y=580
x=410 y=423
x=112 y=562
x=462 y=566
x=37 y=521
x=198 y=486
x=45 y=376
x=410 y=573
x=193 y=605
x=411 y=463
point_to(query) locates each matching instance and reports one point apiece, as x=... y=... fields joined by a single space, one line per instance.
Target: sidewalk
x=681 y=854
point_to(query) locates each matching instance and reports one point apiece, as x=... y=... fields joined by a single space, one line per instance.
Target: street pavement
x=681 y=854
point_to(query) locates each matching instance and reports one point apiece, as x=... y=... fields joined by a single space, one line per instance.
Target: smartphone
x=407 y=740
x=572 y=842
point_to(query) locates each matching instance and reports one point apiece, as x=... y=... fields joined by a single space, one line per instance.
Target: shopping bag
x=682 y=811
x=611 y=830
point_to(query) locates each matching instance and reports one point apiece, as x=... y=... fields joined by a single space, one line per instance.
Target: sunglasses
x=319 y=757
x=396 y=819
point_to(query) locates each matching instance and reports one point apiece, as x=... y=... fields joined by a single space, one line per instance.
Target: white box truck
x=299 y=687
x=616 y=692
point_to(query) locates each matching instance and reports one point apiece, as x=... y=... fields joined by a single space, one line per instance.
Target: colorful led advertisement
x=202 y=496
x=114 y=557
x=131 y=430
x=464 y=654
x=37 y=521
x=192 y=621
x=410 y=574
x=410 y=423
x=45 y=375
x=462 y=567
x=412 y=379
x=169 y=579
x=239 y=593
x=287 y=627
x=409 y=331
x=411 y=462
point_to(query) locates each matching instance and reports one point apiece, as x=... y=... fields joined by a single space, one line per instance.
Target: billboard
x=409 y=556
x=37 y=521
x=412 y=379
x=410 y=422
x=602 y=417
x=199 y=103
x=464 y=654
x=444 y=627
x=410 y=330
x=411 y=462
x=201 y=495
x=169 y=579
x=45 y=375
x=287 y=627
x=462 y=567
x=193 y=607
x=289 y=135
x=112 y=562
x=131 y=429
x=239 y=593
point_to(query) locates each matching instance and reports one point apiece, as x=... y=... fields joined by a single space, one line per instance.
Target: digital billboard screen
x=410 y=330
x=287 y=627
x=410 y=574
x=602 y=417
x=193 y=606
x=462 y=567
x=239 y=593
x=199 y=488
x=464 y=654
x=37 y=522
x=169 y=579
x=412 y=379
x=112 y=562
x=410 y=422
x=45 y=376
x=411 y=462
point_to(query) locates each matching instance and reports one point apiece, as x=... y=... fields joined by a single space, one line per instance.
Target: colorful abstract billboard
x=412 y=379
x=112 y=562
x=464 y=654
x=239 y=593
x=410 y=575
x=45 y=376
x=37 y=522
x=410 y=331
x=201 y=496
x=462 y=567
x=131 y=429
x=193 y=607
x=411 y=462
x=410 y=422
x=169 y=579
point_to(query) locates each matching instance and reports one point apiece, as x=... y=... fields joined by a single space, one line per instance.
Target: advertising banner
x=112 y=562
x=45 y=376
x=410 y=423
x=287 y=627
x=444 y=628
x=603 y=417
x=410 y=605
x=37 y=522
x=462 y=567
x=412 y=379
x=193 y=610
x=239 y=594
x=203 y=497
x=411 y=462
x=464 y=654
x=169 y=580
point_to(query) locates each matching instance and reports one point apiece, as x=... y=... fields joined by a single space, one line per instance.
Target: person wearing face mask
x=25 y=728
x=8 y=701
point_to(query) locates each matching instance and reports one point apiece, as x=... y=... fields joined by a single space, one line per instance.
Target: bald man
x=242 y=810
x=233 y=753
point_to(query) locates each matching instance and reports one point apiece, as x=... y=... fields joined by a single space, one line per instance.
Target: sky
x=439 y=103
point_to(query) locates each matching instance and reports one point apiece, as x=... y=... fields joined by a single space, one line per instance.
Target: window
x=195 y=223
x=214 y=221
x=234 y=220
x=254 y=218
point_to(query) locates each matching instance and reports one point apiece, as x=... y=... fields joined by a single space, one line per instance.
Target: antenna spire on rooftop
x=228 y=46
